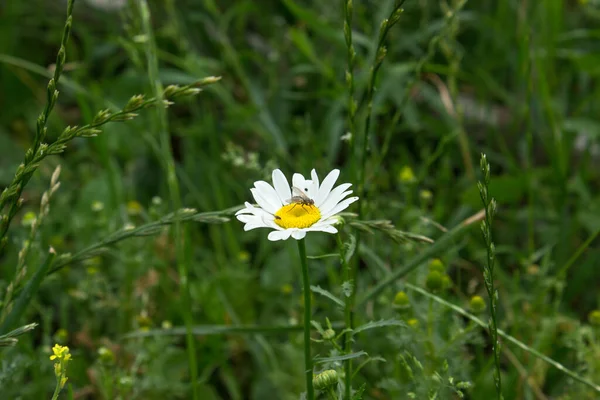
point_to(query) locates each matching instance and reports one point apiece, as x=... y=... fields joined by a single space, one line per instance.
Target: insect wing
x=296 y=192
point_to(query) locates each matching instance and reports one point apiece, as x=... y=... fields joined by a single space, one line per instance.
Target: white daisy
x=284 y=212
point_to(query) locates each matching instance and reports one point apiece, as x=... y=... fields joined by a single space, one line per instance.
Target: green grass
x=137 y=264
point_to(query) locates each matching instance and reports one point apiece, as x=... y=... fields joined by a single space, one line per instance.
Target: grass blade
x=27 y=294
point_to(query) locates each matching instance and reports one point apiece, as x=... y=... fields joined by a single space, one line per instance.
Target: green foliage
x=159 y=293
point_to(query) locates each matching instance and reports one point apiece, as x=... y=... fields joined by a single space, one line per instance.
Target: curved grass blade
x=320 y=360
x=27 y=294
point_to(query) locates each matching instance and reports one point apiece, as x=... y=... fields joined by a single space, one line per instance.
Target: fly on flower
x=299 y=197
x=278 y=205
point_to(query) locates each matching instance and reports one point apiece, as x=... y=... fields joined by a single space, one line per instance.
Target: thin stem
x=331 y=393
x=489 y=205
x=562 y=273
x=380 y=53
x=347 y=320
x=308 y=366
x=57 y=390
x=174 y=192
x=350 y=56
x=11 y=196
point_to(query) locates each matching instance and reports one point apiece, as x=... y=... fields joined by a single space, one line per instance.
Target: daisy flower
x=306 y=206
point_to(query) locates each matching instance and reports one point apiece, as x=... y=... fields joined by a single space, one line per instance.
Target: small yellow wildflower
x=477 y=304
x=61 y=353
x=243 y=256
x=97 y=206
x=28 y=219
x=594 y=318
x=144 y=321
x=106 y=356
x=406 y=175
x=413 y=322
x=61 y=357
x=134 y=208
x=425 y=195
x=287 y=288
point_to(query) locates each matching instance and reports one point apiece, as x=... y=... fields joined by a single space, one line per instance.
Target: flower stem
x=308 y=367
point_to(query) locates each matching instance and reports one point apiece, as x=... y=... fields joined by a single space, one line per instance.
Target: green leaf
x=329 y=295
x=350 y=248
x=323 y=256
x=378 y=324
x=368 y=360
x=350 y=356
x=207 y=330
x=359 y=392
x=9 y=339
x=318 y=327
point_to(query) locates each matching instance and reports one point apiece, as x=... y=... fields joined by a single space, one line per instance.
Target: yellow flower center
x=297 y=216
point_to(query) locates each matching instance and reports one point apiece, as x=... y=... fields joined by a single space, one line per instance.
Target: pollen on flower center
x=297 y=215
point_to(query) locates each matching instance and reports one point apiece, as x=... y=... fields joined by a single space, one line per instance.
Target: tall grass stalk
x=174 y=192
x=414 y=80
x=527 y=80
x=350 y=60
x=27 y=293
x=103 y=117
x=308 y=364
x=380 y=52
x=489 y=205
x=21 y=270
x=449 y=48
x=348 y=275
x=11 y=196
x=151 y=228
x=347 y=318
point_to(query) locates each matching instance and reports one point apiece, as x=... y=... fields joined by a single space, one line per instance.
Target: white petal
x=279 y=235
x=340 y=207
x=269 y=193
x=249 y=227
x=314 y=189
x=262 y=202
x=270 y=222
x=335 y=196
x=305 y=185
x=325 y=188
x=258 y=212
x=298 y=180
x=323 y=228
x=245 y=217
x=246 y=210
x=282 y=187
x=299 y=234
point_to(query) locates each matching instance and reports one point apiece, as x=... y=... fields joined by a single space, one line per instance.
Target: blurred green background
x=517 y=80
